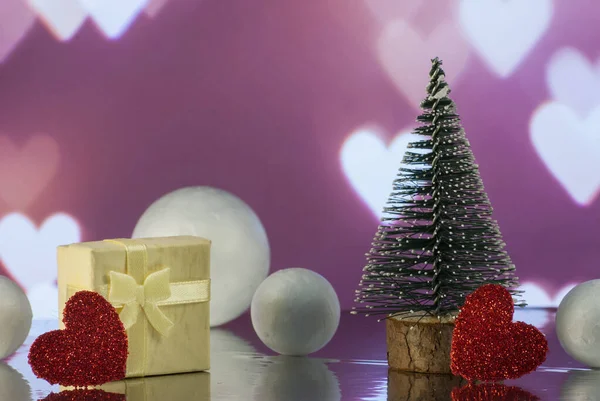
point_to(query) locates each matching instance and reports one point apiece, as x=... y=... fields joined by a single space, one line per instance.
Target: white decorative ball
x=581 y=385
x=230 y=371
x=15 y=317
x=240 y=253
x=295 y=312
x=13 y=386
x=297 y=379
x=578 y=323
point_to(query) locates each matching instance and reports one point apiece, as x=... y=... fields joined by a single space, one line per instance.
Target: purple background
x=257 y=98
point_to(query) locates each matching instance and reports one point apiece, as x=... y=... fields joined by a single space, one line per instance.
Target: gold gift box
x=183 y=262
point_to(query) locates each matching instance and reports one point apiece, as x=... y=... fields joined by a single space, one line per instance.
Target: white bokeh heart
x=388 y=10
x=29 y=253
x=405 y=55
x=537 y=297
x=27 y=170
x=16 y=19
x=504 y=31
x=569 y=146
x=536 y=317
x=154 y=7
x=113 y=17
x=371 y=167
x=62 y=17
x=44 y=300
x=573 y=80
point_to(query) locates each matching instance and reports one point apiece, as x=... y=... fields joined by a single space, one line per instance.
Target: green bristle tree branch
x=437 y=241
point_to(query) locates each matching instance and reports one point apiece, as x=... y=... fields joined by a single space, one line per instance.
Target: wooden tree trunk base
x=420 y=386
x=420 y=343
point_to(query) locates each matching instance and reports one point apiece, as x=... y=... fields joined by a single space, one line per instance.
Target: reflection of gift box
x=161 y=290
x=182 y=387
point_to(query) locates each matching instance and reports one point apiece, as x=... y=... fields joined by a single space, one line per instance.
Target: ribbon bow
x=126 y=292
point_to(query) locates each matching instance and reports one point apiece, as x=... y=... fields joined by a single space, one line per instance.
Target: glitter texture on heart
x=92 y=349
x=487 y=345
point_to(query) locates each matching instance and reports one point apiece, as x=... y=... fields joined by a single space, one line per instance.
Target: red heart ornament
x=91 y=350
x=487 y=345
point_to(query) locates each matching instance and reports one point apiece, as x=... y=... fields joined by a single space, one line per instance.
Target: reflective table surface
x=352 y=366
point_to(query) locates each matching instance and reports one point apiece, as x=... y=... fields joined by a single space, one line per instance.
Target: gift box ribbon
x=138 y=293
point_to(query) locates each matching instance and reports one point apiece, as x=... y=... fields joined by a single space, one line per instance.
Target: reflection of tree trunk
x=406 y=386
x=420 y=344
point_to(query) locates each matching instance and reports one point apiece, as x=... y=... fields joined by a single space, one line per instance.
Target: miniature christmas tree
x=437 y=241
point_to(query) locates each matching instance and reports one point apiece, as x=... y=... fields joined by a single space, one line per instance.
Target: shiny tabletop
x=352 y=366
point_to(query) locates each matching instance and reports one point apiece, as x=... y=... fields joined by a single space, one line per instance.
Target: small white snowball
x=295 y=312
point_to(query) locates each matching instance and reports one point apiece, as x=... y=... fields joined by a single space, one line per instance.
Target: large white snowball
x=15 y=317
x=240 y=253
x=295 y=312
x=578 y=323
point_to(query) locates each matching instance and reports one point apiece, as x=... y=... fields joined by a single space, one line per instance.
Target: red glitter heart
x=492 y=392
x=487 y=345
x=85 y=395
x=92 y=349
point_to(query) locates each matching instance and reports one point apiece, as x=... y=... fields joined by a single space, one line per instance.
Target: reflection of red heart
x=91 y=350
x=87 y=395
x=491 y=392
x=487 y=345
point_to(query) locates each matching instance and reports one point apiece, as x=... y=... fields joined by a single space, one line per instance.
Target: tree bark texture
x=420 y=343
